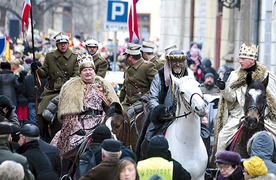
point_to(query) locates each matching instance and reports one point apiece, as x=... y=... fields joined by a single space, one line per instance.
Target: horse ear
x=248 y=78
x=265 y=81
x=175 y=80
x=118 y=107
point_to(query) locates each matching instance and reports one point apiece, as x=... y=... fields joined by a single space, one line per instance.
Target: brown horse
x=118 y=122
x=126 y=130
x=253 y=119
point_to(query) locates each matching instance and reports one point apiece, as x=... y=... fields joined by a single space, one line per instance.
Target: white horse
x=183 y=134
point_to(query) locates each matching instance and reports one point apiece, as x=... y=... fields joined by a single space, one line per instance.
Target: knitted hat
x=111 y=145
x=255 y=166
x=209 y=75
x=157 y=143
x=29 y=129
x=5 y=102
x=228 y=157
x=101 y=133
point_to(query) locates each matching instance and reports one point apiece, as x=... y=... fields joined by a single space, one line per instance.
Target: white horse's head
x=191 y=95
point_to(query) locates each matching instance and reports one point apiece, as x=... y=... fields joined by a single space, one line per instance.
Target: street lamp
x=230 y=3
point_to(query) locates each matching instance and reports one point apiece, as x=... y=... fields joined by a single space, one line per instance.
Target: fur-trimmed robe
x=231 y=105
x=72 y=94
x=71 y=103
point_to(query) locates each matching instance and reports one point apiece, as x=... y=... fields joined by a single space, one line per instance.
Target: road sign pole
x=115 y=51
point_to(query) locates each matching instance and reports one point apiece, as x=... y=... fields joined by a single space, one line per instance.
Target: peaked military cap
x=132 y=49
x=91 y=43
x=61 y=38
x=147 y=47
x=170 y=48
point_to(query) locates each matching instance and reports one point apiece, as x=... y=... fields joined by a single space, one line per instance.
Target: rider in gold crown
x=232 y=99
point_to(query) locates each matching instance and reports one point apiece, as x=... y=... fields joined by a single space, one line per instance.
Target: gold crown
x=250 y=52
x=85 y=61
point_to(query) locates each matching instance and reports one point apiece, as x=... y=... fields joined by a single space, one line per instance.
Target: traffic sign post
x=117 y=13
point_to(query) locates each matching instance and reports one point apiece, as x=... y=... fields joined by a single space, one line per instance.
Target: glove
x=22 y=75
x=34 y=67
x=169 y=111
x=220 y=84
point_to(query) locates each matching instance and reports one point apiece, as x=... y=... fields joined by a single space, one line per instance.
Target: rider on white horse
x=162 y=88
x=232 y=99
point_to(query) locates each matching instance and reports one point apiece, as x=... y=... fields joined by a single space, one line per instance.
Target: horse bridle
x=188 y=106
x=125 y=126
x=261 y=112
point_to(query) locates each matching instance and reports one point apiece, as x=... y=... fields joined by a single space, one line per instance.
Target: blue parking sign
x=117 y=11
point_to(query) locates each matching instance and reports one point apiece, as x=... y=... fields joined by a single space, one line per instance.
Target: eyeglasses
x=224 y=167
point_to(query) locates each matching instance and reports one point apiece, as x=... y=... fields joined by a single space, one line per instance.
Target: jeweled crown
x=250 y=52
x=85 y=61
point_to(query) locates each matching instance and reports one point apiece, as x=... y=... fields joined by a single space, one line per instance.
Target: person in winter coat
x=8 y=82
x=207 y=68
x=159 y=162
x=82 y=104
x=225 y=70
x=7 y=113
x=262 y=145
x=58 y=67
x=255 y=168
x=29 y=147
x=6 y=151
x=228 y=163
x=231 y=104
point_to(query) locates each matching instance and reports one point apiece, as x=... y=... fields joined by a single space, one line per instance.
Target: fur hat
x=101 y=133
x=255 y=166
x=228 y=157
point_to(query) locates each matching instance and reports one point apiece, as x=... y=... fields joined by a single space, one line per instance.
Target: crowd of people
x=41 y=147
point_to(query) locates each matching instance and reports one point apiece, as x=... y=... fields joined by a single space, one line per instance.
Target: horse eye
x=117 y=127
x=182 y=93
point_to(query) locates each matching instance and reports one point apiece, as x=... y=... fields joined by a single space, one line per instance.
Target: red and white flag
x=133 y=21
x=25 y=14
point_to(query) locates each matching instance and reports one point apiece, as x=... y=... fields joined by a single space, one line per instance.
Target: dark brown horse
x=118 y=122
x=253 y=119
x=126 y=130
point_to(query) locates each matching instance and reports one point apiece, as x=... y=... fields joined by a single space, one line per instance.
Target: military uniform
x=137 y=82
x=147 y=50
x=157 y=62
x=58 y=67
x=101 y=65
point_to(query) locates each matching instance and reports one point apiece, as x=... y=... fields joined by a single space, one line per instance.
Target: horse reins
x=187 y=105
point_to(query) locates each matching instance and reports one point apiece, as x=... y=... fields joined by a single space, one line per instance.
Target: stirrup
x=66 y=176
